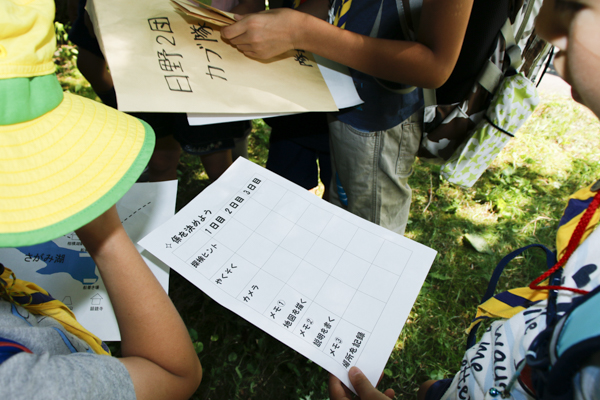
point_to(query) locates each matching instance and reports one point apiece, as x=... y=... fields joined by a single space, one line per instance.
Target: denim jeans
x=374 y=167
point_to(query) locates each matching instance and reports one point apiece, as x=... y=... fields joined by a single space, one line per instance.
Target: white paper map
x=330 y=285
x=64 y=268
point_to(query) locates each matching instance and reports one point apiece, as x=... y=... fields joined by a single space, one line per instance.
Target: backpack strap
x=429 y=97
x=513 y=51
x=550 y=260
x=491 y=75
x=526 y=16
x=509 y=303
x=409 y=12
x=546 y=67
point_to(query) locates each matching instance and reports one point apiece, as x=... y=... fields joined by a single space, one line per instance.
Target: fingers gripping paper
x=164 y=61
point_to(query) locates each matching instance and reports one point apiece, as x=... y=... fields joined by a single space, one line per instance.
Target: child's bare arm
x=157 y=350
x=425 y=63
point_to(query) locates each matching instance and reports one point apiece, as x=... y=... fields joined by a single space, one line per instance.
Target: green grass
x=518 y=201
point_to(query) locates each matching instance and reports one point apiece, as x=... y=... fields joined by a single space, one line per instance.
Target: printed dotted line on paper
x=133 y=213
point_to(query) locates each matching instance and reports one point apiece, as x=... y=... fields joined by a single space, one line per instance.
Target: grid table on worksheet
x=298 y=265
x=308 y=271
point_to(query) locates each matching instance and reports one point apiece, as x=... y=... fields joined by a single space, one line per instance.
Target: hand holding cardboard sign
x=162 y=60
x=267 y=34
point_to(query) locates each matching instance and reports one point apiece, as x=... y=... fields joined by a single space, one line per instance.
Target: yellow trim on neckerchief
x=577 y=202
x=341 y=14
x=16 y=288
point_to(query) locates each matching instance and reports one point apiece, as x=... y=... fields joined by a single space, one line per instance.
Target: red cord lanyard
x=573 y=243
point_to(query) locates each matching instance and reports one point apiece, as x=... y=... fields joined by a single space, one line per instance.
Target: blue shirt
x=382 y=109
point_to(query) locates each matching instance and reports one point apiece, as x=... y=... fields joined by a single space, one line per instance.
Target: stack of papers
x=204 y=12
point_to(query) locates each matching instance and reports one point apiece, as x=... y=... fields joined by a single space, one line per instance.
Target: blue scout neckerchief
x=580 y=217
x=37 y=301
x=341 y=14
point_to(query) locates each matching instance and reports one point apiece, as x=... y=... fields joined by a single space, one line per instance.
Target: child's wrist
x=300 y=30
x=96 y=234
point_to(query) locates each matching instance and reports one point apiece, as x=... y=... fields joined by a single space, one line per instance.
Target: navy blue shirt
x=382 y=109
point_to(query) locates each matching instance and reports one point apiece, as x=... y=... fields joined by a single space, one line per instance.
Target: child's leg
x=216 y=163
x=241 y=146
x=164 y=160
x=95 y=70
x=293 y=162
x=374 y=168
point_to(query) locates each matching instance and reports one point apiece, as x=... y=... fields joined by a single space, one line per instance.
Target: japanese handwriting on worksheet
x=322 y=334
x=223 y=215
x=202 y=34
x=277 y=308
x=306 y=326
x=335 y=345
x=225 y=274
x=190 y=227
x=204 y=255
x=169 y=61
x=355 y=346
x=250 y=293
x=322 y=281
x=212 y=222
x=291 y=318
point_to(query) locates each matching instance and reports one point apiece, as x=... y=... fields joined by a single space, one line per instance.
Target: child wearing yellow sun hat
x=64 y=162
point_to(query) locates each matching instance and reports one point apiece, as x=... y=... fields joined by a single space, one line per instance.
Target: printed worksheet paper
x=325 y=282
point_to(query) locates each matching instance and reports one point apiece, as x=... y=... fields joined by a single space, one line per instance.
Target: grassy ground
x=518 y=201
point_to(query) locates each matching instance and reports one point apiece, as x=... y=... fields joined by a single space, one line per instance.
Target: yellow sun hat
x=64 y=159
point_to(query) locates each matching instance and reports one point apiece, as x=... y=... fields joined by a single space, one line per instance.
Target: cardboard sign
x=164 y=61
